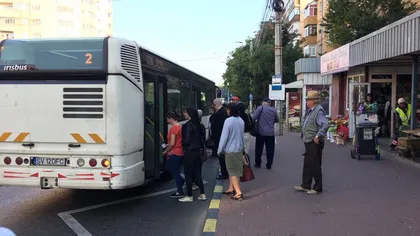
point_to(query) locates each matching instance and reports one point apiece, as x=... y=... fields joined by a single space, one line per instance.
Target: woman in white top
x=232 y=145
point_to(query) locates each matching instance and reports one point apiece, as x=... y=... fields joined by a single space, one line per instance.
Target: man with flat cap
x=314 y=130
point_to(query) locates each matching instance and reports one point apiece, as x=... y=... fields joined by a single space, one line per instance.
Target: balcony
x=310 y=20
x=309 y=40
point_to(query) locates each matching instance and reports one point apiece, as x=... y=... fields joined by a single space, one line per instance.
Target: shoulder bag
x=254 y=132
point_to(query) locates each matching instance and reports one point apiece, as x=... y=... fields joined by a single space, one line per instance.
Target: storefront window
x=350 y=80
x=404 y=89
x=324 y=91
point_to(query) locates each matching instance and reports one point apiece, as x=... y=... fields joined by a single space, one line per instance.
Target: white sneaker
x=300 y=189
x=186 y=199
x=202 y=197
x=312 y=192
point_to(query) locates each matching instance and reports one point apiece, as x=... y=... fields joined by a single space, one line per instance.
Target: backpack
x=249 y=124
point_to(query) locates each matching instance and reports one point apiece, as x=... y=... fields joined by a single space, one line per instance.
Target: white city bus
x=88 y=113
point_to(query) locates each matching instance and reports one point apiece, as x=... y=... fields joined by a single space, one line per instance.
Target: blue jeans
x=174 y=165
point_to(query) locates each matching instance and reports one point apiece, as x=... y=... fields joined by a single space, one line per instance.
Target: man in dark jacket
x=217 y=120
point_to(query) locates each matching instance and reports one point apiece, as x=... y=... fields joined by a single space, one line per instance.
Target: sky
x=196 y=34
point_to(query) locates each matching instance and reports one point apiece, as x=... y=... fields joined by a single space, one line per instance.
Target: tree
x=251 y=71
x=348 y=20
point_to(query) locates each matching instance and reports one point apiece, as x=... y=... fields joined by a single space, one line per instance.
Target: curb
x=210 y=223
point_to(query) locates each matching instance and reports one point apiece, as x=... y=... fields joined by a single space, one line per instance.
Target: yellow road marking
x=5 y=136
x=210 y=225
x=78 y=138
x=21 y=137
x=96 y=138
x=218 y=189
x=214 y=204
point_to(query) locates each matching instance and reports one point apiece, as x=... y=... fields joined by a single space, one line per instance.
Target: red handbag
x=248 y=174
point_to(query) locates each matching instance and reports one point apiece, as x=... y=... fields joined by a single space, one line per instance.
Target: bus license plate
x=42 y=161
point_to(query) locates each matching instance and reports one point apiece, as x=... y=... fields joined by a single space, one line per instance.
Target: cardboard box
x=406 y=142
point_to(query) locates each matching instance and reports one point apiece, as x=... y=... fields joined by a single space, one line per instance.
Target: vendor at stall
x=403 y=114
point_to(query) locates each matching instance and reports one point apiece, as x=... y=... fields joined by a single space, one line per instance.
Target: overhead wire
x=263 y=17
x=268 y=12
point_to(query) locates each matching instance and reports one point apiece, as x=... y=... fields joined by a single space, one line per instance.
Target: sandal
x=238 y=197
x=229 y=192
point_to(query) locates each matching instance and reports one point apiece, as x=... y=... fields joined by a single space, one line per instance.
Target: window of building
x=295 y=12
x=36 y=35
x=36 y=21
x=310 y=30
x=19 y=6
x=309 y=50
x=321 y=8
x=65 y=24
x=10 y=21
x=63 y=9
x=6 y=35
x=36 y=7
x=311 y=10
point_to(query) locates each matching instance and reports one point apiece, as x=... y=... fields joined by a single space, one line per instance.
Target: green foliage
x=348 y=20
x=250 y=71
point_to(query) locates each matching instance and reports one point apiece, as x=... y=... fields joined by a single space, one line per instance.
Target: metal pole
x=278 y=8
x=414 y=85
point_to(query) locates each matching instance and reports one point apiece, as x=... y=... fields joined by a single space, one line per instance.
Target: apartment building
x=305 y=17
x=291 y=15
x=55 y=18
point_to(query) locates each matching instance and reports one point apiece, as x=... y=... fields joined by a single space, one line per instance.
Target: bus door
x=155 y=123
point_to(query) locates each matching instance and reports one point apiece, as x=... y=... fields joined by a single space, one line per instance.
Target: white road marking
x=81 y=231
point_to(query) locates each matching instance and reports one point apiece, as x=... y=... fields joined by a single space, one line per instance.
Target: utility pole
x=278 y=6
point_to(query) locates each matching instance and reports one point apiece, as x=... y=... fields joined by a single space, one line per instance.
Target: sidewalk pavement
x=366 y=197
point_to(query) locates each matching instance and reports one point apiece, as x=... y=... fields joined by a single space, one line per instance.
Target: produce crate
x=406 y=142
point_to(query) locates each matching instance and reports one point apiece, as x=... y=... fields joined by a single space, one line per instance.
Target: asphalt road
x=32 y=211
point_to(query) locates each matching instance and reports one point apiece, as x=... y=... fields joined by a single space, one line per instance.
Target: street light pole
x=278 y=6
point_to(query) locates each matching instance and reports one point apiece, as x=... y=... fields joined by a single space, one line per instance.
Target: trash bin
x=366 y=140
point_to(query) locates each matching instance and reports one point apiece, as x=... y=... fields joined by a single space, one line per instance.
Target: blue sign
x=276 y=79
x=276 y=87
x=250 y=96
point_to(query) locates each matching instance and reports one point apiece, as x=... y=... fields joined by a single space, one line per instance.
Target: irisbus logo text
x=16 y=67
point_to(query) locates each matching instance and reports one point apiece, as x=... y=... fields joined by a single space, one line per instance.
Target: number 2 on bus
x=88 y=58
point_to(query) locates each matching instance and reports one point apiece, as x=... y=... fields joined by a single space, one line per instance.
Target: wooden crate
x=406 y=142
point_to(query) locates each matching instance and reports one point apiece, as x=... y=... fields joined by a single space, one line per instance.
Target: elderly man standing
x=267 y=117
x=313 y=134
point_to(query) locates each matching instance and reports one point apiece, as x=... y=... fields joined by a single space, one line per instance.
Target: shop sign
x=336 y=60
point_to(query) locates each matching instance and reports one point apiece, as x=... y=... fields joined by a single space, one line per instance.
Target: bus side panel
x=125 y=127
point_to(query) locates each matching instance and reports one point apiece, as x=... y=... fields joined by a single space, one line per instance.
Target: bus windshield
x=52 y=55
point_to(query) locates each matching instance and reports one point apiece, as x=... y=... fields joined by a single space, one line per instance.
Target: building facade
x=306 y=17
x=55 y=18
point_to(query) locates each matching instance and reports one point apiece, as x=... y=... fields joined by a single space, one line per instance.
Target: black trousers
x=222 y=161
x=269 y=142
x=192 y=170
x=312 y=166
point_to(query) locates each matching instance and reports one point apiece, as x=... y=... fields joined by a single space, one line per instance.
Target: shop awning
x=298 y=84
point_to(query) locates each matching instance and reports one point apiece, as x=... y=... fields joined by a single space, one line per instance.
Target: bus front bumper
x=117 y=178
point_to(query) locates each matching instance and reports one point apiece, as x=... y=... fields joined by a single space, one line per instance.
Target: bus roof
x=102 y=38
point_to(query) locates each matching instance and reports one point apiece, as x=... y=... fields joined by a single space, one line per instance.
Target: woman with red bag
x=232 y=145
